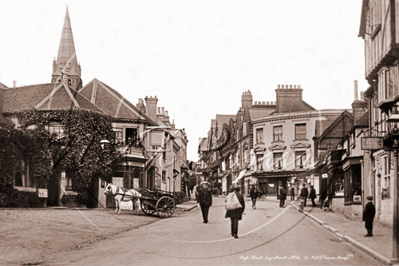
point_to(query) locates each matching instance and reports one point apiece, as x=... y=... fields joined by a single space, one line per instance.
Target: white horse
x=121 y=194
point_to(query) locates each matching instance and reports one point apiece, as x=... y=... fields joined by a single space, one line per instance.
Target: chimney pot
x=278 y=86
x=299 y=86
x=294 y=86
x=290 y=86
x=163 y=108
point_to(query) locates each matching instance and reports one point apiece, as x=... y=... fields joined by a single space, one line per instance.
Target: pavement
x=353 y=231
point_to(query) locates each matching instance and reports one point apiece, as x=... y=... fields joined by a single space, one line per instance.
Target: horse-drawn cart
x=161 y=202
x=157 y=201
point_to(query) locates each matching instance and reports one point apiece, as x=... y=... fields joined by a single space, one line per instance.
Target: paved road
x=268 y=235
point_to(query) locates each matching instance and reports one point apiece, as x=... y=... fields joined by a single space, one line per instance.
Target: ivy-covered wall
x=78 y=150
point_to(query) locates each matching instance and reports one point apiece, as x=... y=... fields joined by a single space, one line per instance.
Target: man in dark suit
x=283 y=196
x=204 y=198
x=235 y=215
x=292 y=193
x=368 y=216
x=312 y=196
x=304 y=194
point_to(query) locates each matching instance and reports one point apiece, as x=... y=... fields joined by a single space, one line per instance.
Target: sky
x=196 y=56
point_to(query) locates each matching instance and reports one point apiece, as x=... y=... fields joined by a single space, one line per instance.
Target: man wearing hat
x=204 y=198
x=368 y=216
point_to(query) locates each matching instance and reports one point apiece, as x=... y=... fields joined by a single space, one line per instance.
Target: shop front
x=271 y=182
x=353 y=189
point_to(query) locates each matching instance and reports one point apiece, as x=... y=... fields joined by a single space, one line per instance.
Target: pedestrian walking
x=204 y=198
x=368 y=216
x=312 y=196
x=303 y=196
x=292 y=193
x=283 y=196
x=236 y=214
x=253 y=193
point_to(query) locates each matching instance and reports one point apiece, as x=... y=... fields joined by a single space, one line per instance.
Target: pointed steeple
x=67 y=62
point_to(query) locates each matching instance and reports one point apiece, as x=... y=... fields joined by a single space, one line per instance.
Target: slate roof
x=112 y=102
x=44 y=97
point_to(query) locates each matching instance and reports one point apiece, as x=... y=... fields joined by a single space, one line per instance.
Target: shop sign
x=372 y=143
x=324 y=176
x=42 y=192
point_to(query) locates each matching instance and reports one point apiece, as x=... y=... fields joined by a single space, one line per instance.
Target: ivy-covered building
x=145 y=151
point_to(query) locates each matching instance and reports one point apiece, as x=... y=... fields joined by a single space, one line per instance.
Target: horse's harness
x=117 y=192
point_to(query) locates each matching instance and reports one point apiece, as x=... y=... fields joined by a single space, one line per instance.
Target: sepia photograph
x=198 y=132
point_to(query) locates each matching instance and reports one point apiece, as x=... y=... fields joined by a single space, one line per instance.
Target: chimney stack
x=151 y=107
x=246 y=99
x=356 y=94
x=289 y=99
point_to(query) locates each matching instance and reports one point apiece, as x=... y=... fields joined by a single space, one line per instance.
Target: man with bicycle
x=304 y=194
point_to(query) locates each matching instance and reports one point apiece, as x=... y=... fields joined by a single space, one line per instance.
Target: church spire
x=67 y=62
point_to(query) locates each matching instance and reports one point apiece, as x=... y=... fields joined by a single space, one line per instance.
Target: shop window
x=24 y=174
x=277 y=133
x=278 y=160
x=259 y=136
x=163 y=176
x=300 y=131
x=300 y=158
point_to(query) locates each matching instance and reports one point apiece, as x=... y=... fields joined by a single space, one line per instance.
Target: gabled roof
x=222 y=119
x=62 y=97
x=203 y=144
x=112 y=102
x=333 y=123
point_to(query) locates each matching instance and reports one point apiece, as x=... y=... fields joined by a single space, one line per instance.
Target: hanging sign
x=372 y=143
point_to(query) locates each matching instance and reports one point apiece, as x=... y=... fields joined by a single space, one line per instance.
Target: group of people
x=204 y=200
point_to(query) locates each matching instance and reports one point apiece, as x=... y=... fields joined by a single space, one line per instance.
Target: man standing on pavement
x=282 y=197
x=304 y=194
x=204 y=198
x=292 y=193
x=312 y=196
x=368 y=216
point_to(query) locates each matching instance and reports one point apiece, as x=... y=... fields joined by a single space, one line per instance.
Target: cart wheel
x=165 y=207
x=147 y=209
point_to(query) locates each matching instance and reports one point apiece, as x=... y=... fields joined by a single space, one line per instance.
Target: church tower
x=67 y=63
